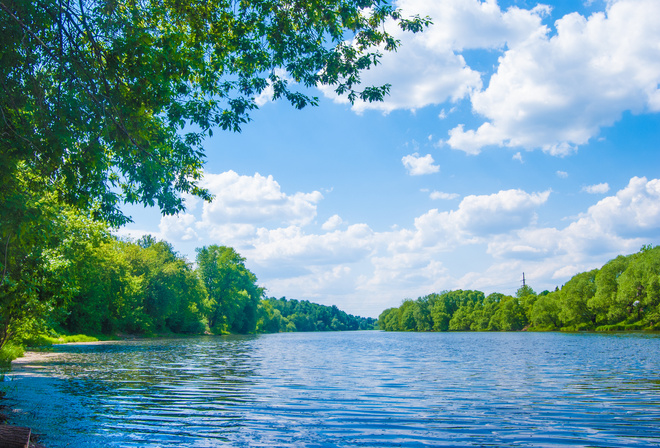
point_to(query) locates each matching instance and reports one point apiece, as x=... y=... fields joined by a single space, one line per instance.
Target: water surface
x=372 y=389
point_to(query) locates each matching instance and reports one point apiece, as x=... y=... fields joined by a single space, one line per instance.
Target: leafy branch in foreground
x=110 y=101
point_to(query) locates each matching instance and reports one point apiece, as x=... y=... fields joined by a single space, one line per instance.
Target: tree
x=37 y=236
x=110 y=101
x=607 y=286
x=175 y=298
x=545 y=312
x=510 y=316
x=574 y=300
x=527 y=298
x=638 y=291
x=232 y=290
x=388 y=320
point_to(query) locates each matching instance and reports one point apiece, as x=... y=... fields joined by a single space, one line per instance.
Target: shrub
x=9 y=352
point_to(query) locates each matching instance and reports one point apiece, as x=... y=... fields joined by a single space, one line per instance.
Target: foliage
x=232 y=290
x=282 y=315
x=40 y=340
x=34 y=233
x=110 y=101
x=623 y=295
x=8 y=353
x=130 y=287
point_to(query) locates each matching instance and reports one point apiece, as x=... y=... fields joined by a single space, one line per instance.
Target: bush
x=8 y=353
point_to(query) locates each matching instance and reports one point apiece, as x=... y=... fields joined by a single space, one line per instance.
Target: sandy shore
x=32 y=362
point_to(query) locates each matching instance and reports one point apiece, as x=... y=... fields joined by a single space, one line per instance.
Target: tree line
x=624 y=294
x=91 y=282
x=279 y=315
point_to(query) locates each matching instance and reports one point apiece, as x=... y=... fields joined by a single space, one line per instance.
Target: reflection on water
x=349 y=389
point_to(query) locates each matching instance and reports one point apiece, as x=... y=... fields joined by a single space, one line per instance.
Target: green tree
x=510 y=316
x=407 y=316
x=604 y=300
x=35 y=235
x=109 y=297
x=388 y=320
x=174 y=296
x=422 y=314
x=527 y=298
x=110 y=101
x=639 y=286
x=574 y=299
x=232 y=289
x=545 y=312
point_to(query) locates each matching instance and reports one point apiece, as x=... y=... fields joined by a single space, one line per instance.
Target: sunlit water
x=371 y=389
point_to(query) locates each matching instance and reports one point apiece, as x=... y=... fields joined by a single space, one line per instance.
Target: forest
x=93 y=283
x=622 y=295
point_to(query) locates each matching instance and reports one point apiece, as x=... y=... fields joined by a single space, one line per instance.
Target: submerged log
x=14 y=436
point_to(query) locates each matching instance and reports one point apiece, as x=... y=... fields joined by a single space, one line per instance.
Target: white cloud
x=597 y=189
x=562 y=174
x=255 y=200
x=517 y=156
x=634 y=211
x=429 y=69
x=556 y=92
x=292 y=245
x=178 y=227
x=332 y=223
x=441 y=195
x=615 y=225
x=418 y=166
x=499 y=212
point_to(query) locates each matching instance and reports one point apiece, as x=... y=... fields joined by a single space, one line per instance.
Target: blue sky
x=518 y=137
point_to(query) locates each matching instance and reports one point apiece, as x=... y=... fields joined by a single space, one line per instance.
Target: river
x=365 y=389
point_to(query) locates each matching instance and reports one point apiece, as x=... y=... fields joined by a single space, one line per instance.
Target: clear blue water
x=370 y=389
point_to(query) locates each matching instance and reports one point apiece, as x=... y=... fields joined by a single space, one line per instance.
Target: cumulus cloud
x=292 y=245
x=562 y=174
x=555 y=92
x=615 y=225
x=365 y=270
x=597 y=189
x=255 y=200
x=417 y=165
x=332 y=223
x=178 y=227
x=499 y=212
x=431 y=69
x=477 y=217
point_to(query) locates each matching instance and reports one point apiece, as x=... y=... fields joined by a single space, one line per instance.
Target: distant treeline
x=91 y=282
x=622 y=295
x=280 y=315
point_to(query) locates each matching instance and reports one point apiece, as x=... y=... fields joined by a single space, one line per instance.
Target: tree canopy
x=109 y=102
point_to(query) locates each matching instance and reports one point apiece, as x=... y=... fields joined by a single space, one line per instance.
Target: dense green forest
x=278 y=315
x=93 y=283
x=624 y=294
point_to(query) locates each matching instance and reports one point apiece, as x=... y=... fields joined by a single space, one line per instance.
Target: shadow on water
x=348 y=389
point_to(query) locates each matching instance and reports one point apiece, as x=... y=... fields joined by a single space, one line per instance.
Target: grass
x=45 y=340
x=8 y=353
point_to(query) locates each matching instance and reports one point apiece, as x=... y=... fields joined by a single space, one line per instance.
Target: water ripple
x=366 y=389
